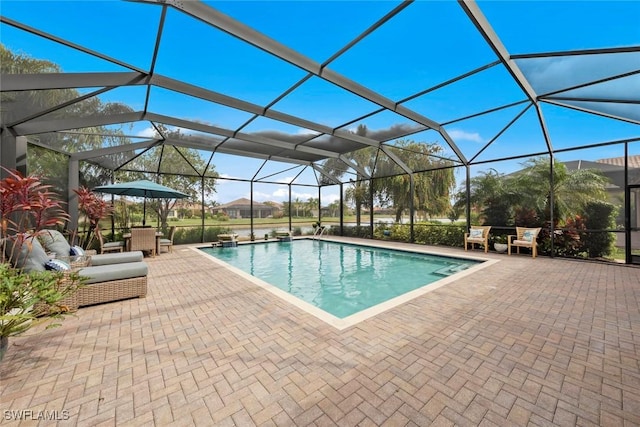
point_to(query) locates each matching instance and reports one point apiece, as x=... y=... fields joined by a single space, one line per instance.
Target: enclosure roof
x=291 y=81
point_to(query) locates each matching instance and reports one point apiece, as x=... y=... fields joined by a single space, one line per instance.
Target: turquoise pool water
x=341 y=279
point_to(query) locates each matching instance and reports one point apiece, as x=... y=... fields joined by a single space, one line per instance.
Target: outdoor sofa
x=108 y=277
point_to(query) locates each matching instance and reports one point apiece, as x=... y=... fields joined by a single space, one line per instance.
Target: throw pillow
x=57 y=265
x=528 y=235
x=27 y=254
x=476 y=233
x=54 y=241
x=76 y=251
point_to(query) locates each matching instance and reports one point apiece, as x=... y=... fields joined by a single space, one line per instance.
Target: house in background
x=241 y=208
x=181 y=206
x=613 y=169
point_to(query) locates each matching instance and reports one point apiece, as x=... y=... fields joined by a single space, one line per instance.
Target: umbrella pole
x=144 y=212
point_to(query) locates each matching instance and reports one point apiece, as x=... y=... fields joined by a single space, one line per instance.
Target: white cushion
x=521 y=243
x=476 y=233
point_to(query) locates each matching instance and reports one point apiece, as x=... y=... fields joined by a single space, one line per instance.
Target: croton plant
x=27 y=207
x=94 y=209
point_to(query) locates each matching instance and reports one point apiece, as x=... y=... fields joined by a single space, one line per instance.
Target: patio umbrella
x=142 y=188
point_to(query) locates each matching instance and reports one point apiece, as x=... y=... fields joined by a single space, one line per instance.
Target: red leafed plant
x=28 y=297
x=94 y=208
x=27 y=206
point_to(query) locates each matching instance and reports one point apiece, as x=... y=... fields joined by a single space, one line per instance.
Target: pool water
x=341 y=279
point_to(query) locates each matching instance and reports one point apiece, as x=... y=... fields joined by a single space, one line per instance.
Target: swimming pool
x=340 y=279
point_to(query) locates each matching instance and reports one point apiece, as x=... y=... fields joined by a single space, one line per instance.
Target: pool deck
x=522 y=342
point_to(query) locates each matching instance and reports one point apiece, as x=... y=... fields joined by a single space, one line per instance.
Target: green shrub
x=434 y=233
x=363 y=231
x=395 y=232
x=567 y=240
x=599 y=216
x=440 y=234
x=186 y=235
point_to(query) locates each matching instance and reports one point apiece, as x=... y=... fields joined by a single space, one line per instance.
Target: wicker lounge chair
x=524 y=238
x=113 y=282
x=478 y=234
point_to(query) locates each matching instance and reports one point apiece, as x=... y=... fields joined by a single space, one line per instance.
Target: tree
x=334 y=208
x=432 y=188
x=527 y=193
x=599 y=216
x=286 y=209
x=297 y=204
x=571 y=189
x=179 y=168
x=312 y=205
x=15 y=105
x=359 y=190
x=53 y=166
x=493 y=195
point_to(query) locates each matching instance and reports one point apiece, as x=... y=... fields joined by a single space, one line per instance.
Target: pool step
x=448 y=270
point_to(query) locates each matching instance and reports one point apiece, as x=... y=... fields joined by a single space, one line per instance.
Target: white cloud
x=149 y=132
x=285 y=180
x=303 y=131
x=327 y=199
x=461 y=135
x=303 y=196
x=233 y=190
x=282 y=193
x=260 y=197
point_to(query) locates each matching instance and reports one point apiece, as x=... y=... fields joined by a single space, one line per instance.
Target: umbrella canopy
x=142 y=188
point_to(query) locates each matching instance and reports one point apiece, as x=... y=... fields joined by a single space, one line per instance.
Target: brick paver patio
x=522 y=342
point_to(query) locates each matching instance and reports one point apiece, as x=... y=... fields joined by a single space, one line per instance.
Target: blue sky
x=428 y=43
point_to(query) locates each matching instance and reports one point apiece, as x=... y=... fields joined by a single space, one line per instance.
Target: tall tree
x=496 y=196
x=177 y=168
x=358 y=192
x=572 y=189
x=296 y=204
x=50 y=164
x=334 y=208
x=432 y=187
x=312 y=205
x=493 y=195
